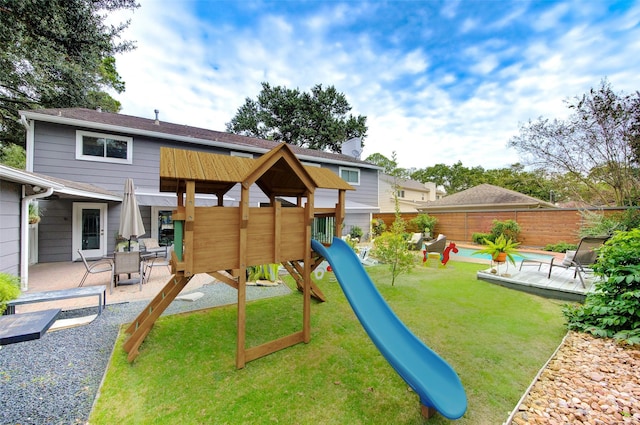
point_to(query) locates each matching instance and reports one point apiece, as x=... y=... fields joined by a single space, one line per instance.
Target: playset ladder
x=141 y=326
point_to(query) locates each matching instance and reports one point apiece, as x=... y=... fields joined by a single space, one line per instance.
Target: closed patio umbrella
x=130 y=218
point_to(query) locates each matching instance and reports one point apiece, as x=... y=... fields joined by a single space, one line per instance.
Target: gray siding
x=55 y=155
x=10 y=194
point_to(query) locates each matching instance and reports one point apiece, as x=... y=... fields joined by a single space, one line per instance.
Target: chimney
x=99 y=109
x=157 y=112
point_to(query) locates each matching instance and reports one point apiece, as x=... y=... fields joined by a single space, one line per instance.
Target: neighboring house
x=411 y=194
x=484 y=197
x=99 y=150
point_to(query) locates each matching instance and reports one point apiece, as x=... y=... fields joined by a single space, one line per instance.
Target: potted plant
x=500 y=250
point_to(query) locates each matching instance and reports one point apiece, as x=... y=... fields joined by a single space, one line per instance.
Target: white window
x=241 y=154
x=350 y=175
x=400 y=193
x=104 y=147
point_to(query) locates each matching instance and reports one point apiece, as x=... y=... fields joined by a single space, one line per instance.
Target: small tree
x=391 y=247
x=612 y=309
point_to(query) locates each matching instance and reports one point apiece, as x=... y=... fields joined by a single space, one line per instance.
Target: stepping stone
x=194 y=296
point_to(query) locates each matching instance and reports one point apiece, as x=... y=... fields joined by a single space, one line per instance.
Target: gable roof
x=128 y=124
x=485 y=196
x=277 y=173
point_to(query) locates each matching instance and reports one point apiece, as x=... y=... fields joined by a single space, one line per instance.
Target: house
x=411 y=194
x=94 y=152
x=484 y=197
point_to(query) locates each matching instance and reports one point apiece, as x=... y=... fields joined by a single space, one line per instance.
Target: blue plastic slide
x=425 y=372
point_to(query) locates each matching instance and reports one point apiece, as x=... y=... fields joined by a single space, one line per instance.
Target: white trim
x=356 y=170
x=79 y=146
x=310 y=164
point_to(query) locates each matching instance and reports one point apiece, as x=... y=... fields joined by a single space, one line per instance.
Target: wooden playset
x=223 y=241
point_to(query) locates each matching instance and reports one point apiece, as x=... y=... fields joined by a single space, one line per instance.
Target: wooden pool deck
x=561 y=285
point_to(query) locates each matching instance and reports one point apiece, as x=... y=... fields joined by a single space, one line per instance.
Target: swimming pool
x=464 y=254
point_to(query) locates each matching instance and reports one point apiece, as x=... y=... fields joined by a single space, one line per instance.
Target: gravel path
x=588 y=381
x=55 y=379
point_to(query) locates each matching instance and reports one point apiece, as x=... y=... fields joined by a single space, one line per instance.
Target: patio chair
x=437 y=245
x=415 y=241
x=151 y=246
x=96 y=267
x=585 y=255
x=127 y=263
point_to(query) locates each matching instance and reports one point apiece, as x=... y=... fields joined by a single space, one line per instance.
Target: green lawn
x=495 y=338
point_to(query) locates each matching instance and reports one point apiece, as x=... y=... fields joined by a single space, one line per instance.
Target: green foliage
x=13 y=156
x=9 y=289
x=599 y=224
x=561 y=247
x=479 y=237
x=613 y=309
x=424 y=222
x=509 y=228
x=57 y=54
x=378 y=226
x=500 y=245
x=263 y=272
x=355 y=232
x=391 y=248
x=316 y=120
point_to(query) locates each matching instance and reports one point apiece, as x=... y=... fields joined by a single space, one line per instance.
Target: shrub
x=355 y=232
x=9 y=289
x=424 y=222
x=479 y=238
x=560 y=247
x=378 y=227
x=612 y=310
x=509 y=228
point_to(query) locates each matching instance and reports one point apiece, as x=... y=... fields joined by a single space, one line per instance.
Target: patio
x=65 y=275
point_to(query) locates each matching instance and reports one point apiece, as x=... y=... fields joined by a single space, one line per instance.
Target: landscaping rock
x=589 y=381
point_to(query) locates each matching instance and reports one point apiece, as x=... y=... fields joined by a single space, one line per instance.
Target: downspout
x=24 y=235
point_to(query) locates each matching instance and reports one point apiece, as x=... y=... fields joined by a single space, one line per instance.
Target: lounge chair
x=415 y=242
x=438 y=245
x=151 y=246
x=585 y=255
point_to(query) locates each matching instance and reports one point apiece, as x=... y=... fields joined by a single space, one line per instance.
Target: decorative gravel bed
x=588 y=381
x=55 y=379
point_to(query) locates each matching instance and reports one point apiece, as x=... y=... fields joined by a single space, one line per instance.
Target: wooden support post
x=242 y=279
x=340 y=212
x=427 y=411
x=190 y=209
x=306 y=309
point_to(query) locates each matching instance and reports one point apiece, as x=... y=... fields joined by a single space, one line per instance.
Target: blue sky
x=439 y=82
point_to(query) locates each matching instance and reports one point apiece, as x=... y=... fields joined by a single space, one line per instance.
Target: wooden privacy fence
x=540 y=227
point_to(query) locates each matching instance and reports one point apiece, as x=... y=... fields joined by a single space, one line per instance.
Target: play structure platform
x=430 y=376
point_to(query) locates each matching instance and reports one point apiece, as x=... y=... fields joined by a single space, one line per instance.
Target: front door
x=89 y=230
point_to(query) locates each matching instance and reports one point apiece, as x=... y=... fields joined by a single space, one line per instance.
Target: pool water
x=467 y=253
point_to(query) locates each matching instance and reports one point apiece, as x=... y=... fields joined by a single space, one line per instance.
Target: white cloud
x=198 y=74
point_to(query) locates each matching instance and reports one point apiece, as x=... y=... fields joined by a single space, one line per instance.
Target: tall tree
x=57 y=54
x=595 y=145
x=317 y=120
